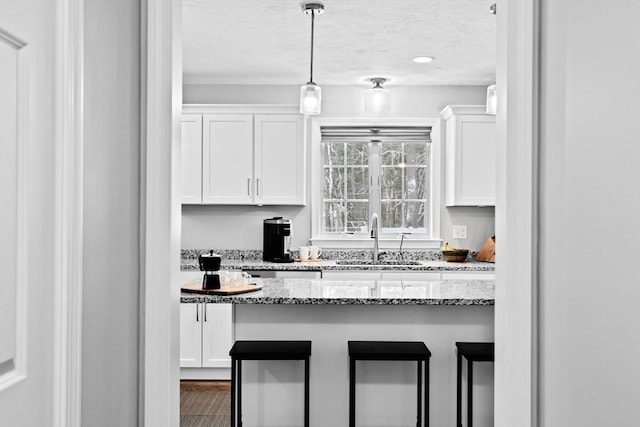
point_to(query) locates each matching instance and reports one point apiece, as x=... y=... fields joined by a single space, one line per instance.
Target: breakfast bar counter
x=359 y=292
x=330 y=313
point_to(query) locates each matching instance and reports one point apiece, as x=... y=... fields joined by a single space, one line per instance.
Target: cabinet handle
x=197 y=312
x=248 y=186
x=204 y=310
x=258 y=187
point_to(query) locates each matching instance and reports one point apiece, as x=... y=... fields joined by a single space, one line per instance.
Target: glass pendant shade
x=377 y=99
x=492 y=100
x=310 y=99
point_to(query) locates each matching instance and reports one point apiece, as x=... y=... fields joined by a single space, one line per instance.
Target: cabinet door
x=190 y=336
x=227 y=150
x=280 y=159
x=470 y=158
x=191 y=159
x=217 y=336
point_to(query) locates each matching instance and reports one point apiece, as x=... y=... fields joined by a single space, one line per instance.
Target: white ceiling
x=268 y=42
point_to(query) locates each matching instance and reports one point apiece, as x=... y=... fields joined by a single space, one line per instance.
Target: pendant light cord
x=311 y=71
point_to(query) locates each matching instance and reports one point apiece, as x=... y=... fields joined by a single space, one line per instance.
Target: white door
x=280 y=162
x=27 y=136
x=191 y=159
x=227 y=154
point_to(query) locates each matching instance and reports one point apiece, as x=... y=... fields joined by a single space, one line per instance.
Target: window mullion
x=375 y=180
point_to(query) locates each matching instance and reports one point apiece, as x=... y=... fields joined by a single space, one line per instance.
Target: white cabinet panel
x=190 y=336
x=470 y=156
x=191 y=159
x=217 y=336
x=468 y=275
x=411 y=275
x=227 y=149
x=352 y=275
x=279 y=159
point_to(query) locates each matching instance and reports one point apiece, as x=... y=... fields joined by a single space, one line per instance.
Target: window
x=366 y=170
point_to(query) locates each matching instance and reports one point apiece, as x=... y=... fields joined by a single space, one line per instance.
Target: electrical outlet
x=459 y=231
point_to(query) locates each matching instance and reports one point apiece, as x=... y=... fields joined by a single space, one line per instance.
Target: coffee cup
x=235 y=278
x=315 y=252
x=303 y=253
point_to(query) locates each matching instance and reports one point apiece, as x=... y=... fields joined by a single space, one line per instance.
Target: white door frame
x=161 y=106
x=516 y=204
x=67 y=304
x=516 y=207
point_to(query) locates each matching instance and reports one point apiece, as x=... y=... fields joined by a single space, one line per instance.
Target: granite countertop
x=359 y=292
x=328 y=265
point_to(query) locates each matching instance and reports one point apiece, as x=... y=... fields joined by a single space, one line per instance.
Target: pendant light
x=377 y=99
x=492 y=100
x=310 y=93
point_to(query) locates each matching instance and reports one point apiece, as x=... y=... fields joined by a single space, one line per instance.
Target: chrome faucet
x=374 y=235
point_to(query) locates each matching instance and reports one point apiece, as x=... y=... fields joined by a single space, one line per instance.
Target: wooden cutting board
x=196 y=288
x=488 y=251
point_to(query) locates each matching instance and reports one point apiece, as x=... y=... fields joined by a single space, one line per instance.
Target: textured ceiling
x=268 y=42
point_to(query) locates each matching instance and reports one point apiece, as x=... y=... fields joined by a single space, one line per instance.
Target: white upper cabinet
x=227 y=152
x=279 y=159
x=470 y=156
x=250 y=155
x=191 y=159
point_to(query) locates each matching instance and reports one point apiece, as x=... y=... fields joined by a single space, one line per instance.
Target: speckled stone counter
x=338 y=260
x=360 y=292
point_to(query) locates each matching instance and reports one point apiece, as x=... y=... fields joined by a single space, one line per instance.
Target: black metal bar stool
x=390 y=351
x=473 y=352
x=266 y=350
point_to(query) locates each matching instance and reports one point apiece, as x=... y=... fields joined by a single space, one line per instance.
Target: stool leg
x=419 y=420
x=352 y=392
x=426 y=392
x=470 y=393
x=459 y=392
x=306 y=392
x=239 y=387
x=233 y=392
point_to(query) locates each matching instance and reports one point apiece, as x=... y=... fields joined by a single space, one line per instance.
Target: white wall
x=589 y=285
x=111 y=213
x=209 y=226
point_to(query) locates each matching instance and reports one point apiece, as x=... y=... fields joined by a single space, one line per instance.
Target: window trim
x=314 y=139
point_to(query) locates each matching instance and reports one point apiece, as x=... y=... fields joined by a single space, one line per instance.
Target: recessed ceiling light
x=422 y=59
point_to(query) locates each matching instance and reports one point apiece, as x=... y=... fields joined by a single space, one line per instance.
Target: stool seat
x=476 y=351
x=414 y=351
x=271 y=350
x=388 y=350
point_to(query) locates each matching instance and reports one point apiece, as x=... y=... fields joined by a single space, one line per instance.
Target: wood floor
x=205 y=403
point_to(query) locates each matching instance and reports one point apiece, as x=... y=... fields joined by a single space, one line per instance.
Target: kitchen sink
x=379 y=262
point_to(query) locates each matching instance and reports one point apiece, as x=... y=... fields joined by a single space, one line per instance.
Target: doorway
x=518 y=21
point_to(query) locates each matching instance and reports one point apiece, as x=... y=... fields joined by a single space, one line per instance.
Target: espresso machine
x=210 y=264
x=277 y=240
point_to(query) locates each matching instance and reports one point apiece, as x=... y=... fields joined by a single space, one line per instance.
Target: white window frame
x=314 y=138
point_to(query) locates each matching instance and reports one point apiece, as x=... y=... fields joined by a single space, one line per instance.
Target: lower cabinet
x=206 y=336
